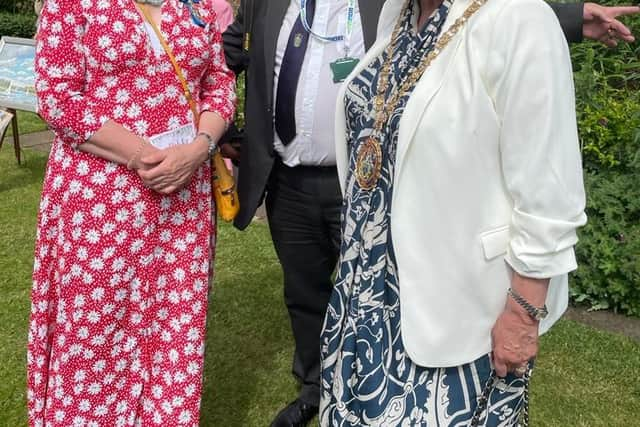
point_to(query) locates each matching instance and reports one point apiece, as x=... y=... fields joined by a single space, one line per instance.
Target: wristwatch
x=537 y=313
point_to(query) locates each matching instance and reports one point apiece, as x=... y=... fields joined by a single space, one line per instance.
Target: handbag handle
x=176 y=66
x=483 y=400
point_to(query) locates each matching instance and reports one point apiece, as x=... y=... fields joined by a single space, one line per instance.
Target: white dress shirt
x=314 y=144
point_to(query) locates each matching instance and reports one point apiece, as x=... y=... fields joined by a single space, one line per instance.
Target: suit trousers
x=303 y=208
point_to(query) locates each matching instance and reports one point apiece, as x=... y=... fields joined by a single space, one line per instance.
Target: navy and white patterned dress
x=367 y=377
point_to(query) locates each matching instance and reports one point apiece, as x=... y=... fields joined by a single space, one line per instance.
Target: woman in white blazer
x=458 y=155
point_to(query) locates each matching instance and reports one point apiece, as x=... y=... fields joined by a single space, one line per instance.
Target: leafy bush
x=608 y=108
x=609 y=247
x=609 y=132
x=17 y=25
x=17 y=6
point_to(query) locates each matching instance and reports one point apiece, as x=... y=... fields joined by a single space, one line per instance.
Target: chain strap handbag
x=223 y=183
x=483 y=400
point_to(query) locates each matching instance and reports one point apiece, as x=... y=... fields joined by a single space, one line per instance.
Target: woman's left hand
x=515 y=340
x=515 y=333
x=169 y=170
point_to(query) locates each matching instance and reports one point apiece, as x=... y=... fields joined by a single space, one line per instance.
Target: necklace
x=151 y=2
x=369 y=155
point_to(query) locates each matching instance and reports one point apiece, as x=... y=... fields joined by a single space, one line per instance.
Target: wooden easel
x=16 y=134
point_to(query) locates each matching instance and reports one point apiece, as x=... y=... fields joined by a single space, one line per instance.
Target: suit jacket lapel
x=369 y=14
x=276 y=11
x=422 y=95
x=429 y=84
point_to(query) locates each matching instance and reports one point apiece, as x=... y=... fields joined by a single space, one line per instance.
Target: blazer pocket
x=495 y=242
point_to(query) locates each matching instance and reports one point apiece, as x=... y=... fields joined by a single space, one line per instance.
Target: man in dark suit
x=303 y=198
x=288 y=154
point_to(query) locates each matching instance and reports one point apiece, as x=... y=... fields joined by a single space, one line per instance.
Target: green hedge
x=16 y=6
x=609 y=247
x=608 y=107
x=17 y=25
x=608 y=275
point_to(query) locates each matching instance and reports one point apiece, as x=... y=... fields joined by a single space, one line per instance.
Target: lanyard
x=351 y=11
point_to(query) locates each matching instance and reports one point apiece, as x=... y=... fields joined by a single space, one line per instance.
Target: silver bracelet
x=536 y=313
x=210 y=142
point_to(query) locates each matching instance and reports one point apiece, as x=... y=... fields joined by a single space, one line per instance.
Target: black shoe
x=296 y=414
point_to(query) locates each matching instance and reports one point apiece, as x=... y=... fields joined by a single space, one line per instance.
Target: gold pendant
x=369 y=163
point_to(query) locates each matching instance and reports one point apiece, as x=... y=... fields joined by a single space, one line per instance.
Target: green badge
x=342 y=68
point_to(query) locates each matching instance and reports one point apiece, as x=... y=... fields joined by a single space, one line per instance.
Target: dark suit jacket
x=257 y=156
x=263 y=19
x=570 y=17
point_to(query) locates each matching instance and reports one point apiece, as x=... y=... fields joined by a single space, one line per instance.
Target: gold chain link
x=383 y=114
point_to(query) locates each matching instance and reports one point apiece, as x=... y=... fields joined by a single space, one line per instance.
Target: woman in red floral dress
x=123 y=255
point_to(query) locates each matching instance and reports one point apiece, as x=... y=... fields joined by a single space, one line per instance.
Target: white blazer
x=488 y=176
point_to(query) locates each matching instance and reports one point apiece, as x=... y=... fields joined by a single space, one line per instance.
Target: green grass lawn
x=583 y=377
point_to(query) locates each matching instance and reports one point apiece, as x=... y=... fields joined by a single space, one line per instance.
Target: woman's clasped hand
x=169 y=170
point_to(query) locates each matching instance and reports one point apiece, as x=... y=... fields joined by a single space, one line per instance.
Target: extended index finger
x=623 y=10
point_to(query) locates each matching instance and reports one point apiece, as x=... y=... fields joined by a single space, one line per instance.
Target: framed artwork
x=17 y=76
x=5 y=119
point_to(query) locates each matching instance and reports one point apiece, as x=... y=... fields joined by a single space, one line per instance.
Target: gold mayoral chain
x=369 y=158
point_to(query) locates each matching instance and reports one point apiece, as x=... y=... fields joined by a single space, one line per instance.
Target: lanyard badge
x=195 y=13
x=343 y=66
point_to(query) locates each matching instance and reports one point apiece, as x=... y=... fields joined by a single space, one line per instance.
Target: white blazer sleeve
x=529 y=72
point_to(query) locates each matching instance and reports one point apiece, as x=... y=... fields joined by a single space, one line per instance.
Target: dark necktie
x=285 y=118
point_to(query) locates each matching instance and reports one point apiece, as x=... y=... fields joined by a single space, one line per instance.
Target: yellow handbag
x=224 y=189
x=223 y=184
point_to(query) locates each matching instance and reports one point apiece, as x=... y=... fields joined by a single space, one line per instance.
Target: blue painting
x=17 y=77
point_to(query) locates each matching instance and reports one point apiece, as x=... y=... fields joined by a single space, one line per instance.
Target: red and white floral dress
x=121 y=274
